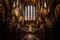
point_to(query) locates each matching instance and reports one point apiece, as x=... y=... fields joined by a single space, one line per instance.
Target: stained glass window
x=29 y=12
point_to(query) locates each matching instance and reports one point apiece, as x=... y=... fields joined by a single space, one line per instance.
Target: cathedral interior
x=29 y=19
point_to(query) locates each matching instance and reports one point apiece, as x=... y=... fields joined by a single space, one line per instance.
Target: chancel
x=29 y=19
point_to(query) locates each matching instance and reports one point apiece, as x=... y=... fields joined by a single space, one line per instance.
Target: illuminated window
x=29 y=13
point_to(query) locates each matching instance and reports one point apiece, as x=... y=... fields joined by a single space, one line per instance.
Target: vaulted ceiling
x=50 y=3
